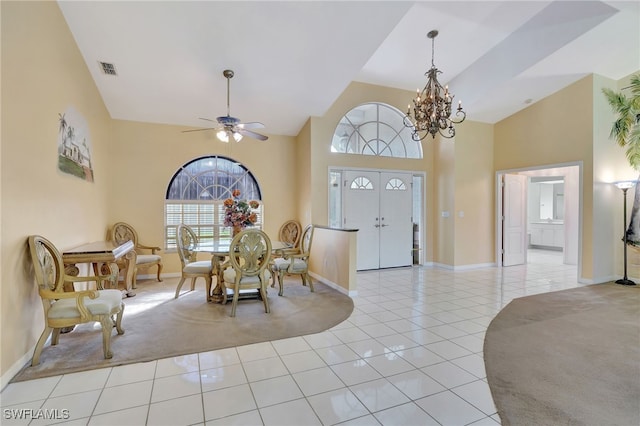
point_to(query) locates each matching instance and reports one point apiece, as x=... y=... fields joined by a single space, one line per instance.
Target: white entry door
x=514 y=222
x=379 y=205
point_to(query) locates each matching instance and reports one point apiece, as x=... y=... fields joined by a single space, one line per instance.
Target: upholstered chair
x=249 y=258
x=295 y=263
x=122 y=232
x=69 y=308
x=191 y=267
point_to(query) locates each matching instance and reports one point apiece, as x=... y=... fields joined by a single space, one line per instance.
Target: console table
x=103 y=256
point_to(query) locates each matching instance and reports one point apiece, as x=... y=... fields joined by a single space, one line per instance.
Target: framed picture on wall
x=74 y=145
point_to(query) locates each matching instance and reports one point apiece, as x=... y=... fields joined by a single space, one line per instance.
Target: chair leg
x=179 y=287
x=38 y=350
x=134 y=281
x=234 y=302
x=107 y=326
x=265 y=299
x=280 y=283
x=55 y=337
x=310 y=281
x=208 y=282
x=119 y=328
x=193 y=283
x=159 y=270
x=223 y=289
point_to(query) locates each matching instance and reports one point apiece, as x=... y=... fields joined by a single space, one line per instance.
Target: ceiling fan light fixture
x=225 y=135
x=231 y=127
x=222 y=136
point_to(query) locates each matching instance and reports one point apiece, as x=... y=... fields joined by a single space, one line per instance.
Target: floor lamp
x=625 y=185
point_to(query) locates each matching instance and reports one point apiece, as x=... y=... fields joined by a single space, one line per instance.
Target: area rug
x=159 y=326
x=569 y=357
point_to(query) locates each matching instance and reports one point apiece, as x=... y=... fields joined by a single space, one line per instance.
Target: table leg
x=130 y=266
x=220 y=291
x=106 y=269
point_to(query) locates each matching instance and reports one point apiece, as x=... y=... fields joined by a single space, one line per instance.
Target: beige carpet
x=570 y=357
x=159 y=326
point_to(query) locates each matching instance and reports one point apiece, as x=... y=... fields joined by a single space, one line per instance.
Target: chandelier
x=432 y=106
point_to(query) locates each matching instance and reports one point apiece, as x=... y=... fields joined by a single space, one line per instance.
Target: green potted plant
x=626 y=132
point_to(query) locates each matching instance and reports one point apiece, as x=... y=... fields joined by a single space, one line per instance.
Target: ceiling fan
x=230 y=128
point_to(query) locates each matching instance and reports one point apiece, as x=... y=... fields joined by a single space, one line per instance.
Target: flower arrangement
x=239 y=213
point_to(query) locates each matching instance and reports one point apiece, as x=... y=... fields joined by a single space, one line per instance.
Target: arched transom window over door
x=196 y=193
x=375 y=129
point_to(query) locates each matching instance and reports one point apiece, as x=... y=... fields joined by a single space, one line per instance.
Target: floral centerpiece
x=239 y=213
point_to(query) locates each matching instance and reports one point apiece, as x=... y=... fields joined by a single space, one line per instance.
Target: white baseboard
x=350 y=293
x=17 y=366
x=461 y=267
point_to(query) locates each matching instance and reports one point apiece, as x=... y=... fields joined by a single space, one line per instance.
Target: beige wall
x=472 y=147
x=146 y=156
x=444 y=201
x=333 y=259
x=302 y=182
x=322 y=158
x=474 y=212
x=554 y=130
x=43 y=74
x=572 y=126
x=610 y=164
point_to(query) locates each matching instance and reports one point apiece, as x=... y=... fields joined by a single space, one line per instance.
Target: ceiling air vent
x=108 y=68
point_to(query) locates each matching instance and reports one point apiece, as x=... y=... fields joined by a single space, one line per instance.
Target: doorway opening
x=539 y=215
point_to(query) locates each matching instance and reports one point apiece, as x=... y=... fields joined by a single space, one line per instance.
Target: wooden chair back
x=290 y=233
x=187 y=241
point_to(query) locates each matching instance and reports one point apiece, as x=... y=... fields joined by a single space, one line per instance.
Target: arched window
x=395 y=184
x=196 y=193
x=375 y=129
x=361 y=182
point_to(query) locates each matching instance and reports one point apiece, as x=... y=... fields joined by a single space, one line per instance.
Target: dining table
x=219 y=250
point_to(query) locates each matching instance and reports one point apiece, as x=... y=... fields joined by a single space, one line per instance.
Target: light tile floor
x=410 y=354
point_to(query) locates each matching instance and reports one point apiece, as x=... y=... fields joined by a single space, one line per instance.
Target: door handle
x=383 y=225
x=377 y=226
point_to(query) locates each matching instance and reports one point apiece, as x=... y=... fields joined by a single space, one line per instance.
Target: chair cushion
x=107 y=303
x=230 y=277
x=281 y=264
x=148 y=258
x=199 y=267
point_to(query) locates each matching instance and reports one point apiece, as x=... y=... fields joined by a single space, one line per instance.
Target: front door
x=379 y=205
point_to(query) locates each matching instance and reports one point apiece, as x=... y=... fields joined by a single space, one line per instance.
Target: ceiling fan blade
x=251 y=134
x=207 y=119
x=251 y=125
x=198 y=130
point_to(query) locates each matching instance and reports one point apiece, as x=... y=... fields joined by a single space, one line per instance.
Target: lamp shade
x=625 y=184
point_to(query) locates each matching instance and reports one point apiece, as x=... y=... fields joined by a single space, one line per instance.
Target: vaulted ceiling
x=292 y=59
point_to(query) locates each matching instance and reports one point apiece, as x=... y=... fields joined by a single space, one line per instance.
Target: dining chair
x=191 y=267
x=295 y=263
x=249 y=258
x=122 y=232
x=290 y=233
x=69 y=308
